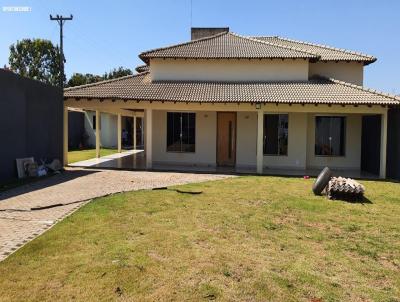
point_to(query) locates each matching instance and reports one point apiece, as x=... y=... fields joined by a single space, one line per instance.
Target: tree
x=88 y=78
x=117 y=73
x=37 y=59
x=78 y=79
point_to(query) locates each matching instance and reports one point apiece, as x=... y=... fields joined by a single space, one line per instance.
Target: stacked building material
x=345 y=189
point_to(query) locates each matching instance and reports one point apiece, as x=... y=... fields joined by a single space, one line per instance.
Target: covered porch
x=248 y=135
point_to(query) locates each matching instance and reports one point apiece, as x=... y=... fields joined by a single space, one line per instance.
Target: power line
x=61 y=21
x=191 y=13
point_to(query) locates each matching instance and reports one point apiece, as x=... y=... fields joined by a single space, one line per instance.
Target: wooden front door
x=226 y=138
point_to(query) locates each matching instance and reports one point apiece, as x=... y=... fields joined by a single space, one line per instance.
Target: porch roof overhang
x=317 y=90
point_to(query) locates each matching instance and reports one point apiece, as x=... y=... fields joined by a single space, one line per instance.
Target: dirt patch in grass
x=241 y=240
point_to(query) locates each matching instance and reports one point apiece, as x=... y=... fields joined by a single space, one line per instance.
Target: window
x=94 y=122
x=330 y=135
x=181 y=132
x=276 y=134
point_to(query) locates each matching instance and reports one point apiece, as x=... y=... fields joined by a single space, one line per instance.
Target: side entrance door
x=226 y=139
x=371 y=144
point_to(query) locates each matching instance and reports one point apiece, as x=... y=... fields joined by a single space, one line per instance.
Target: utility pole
x=61 y=20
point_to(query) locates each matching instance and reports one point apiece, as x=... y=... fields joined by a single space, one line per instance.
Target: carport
x=119 y=160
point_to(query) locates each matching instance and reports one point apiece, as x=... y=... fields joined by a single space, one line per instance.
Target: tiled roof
x=142 y=68
x=228 y=45
x=325 y=52
x=314 y=91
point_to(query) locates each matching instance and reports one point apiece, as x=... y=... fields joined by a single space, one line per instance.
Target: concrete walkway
x=131 y=159
x=19 y=225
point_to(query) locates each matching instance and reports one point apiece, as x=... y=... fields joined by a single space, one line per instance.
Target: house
x=262 y=104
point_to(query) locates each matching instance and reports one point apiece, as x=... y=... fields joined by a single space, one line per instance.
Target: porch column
x=260 y=134
x=134 y=133
x=65 y=136
x=148 y=138
x=97 y=133
x=119 y=133
x=384 y=122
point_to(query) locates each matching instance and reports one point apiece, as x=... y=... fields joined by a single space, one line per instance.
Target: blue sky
x=107 y=34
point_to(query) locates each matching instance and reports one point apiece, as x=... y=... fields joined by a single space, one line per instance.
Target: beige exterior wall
x=205 y=154
x=351 y=72
x=297 y=145
x=352 y=158
x=254 y=70
x=109 y=123
x=246 y=140
x=301 y=142
x=229 y=70
x=108 y=129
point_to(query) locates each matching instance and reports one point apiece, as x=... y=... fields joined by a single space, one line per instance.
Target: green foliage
x=36 y=59
x=117 y=73
x=78 y=79
x=88 y=78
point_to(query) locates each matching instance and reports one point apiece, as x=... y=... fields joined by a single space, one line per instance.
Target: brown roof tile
x=326 y=53
x=227 y=45
x=316 y=90
x=142 y=68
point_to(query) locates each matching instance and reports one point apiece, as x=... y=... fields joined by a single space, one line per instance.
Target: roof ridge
x=362 y=88
x=328 y=47
x=273 y=44
x=253 y=82
x=181 y=44
x=104 y=81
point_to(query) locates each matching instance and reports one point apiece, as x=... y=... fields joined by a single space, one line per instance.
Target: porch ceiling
x=317 y=90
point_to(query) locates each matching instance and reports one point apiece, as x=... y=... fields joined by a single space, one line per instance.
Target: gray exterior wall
x=76 y=129
x=203 y=32
x=31 y=122
x=393 y=144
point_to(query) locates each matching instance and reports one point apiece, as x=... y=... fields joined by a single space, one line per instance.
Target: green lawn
x=79 y=155
x=243 y=239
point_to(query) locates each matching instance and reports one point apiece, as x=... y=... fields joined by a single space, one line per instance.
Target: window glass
x=330 y=135
x=181 y=132
x=276 y=134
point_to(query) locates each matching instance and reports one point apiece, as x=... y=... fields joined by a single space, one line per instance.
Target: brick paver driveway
x=19 y=225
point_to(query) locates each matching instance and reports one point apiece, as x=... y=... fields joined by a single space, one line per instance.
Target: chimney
x=202 y=32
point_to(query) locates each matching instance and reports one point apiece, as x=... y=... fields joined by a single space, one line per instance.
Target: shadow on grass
x=363 y=200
